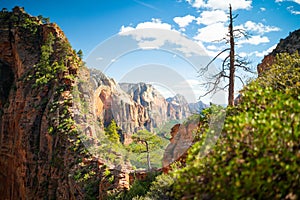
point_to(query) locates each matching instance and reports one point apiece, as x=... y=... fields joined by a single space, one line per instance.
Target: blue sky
x=90 y=23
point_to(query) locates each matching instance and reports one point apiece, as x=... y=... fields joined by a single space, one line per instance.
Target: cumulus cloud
x=157 y=34
x=254 y=40
x=184 y=21
x=211 y=17
x=154 y=23
x=266 y=52
x=125 y=29
x=257 y=27
x=223 y=5
x=211 y=33
x=257 y=53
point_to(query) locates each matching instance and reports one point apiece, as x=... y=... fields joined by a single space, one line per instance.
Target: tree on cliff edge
x=230 y=63
x=150 y=141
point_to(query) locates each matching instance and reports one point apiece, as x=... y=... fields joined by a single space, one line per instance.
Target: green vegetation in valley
x=147 y=149
x=138 y=189
x=164 y=130
x=257 y=155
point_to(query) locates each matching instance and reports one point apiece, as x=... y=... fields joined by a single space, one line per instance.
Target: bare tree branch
x=206 y=67
x=240 y=79
x=230 y=65
x=224 y=62
x=241 y=32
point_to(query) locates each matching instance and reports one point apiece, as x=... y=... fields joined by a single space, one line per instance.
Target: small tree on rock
x=149 y=140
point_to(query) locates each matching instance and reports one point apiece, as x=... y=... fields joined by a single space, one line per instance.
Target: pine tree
x=112 y=132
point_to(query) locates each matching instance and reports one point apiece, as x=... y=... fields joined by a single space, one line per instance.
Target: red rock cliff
x=290 y=45
x=38 y=157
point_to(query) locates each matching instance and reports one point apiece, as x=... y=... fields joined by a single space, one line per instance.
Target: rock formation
x=153 y=102
x=111 y=102
x=39 y=156
x=178 y=108
x=182 y=138
x=49 y=109
x=290 y=45
x=135 y=106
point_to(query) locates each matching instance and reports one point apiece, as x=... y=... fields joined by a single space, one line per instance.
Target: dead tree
x=229 y=64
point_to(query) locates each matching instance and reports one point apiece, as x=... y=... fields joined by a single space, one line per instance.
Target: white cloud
x=155 y=23
x=296 y=1
x=243 y=54
x=257 y=53
x=236 y=4
x=125 y=29
x=221 y=4
x=211 y=17
x=212 y=47
x=266 y=52
x=258 y=27
x=255 y=40
x=211 y=33
x=196 y=3
x=294 y=12
x=263 y=9
x=184 y=21
x=156 y=34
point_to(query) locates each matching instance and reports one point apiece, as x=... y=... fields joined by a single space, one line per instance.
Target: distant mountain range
x=137 y=105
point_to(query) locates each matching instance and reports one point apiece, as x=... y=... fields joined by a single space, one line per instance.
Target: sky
x=116 y=34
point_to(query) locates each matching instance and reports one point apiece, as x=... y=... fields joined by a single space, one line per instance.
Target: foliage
x=44 y=20
x=46 y=70
x=164 y=129
x=149 y=143
x=80 y=53
x=257 y=156
x=112 y=132
x=160 y=188
x=138 y=188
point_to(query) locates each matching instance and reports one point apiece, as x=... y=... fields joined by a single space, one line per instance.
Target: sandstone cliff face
x=136 y=106
x=178 y=108
x=153 y=102
x=111 y=102
x=289 y=45
x=37 y=150
x=182 y=138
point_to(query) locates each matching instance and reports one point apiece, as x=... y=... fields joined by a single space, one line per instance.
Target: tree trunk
x=232 y=61
x=148 y=156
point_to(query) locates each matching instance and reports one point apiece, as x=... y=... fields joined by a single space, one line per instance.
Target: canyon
x=52 y=109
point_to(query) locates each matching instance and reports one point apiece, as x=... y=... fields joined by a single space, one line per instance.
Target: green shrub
x=112 y=132
x=138 y=188
x=257 y=156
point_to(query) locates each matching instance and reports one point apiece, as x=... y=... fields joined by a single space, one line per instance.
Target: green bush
x=160 y=188
x=138 y=188
x=257 y=156
x=112 y=132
